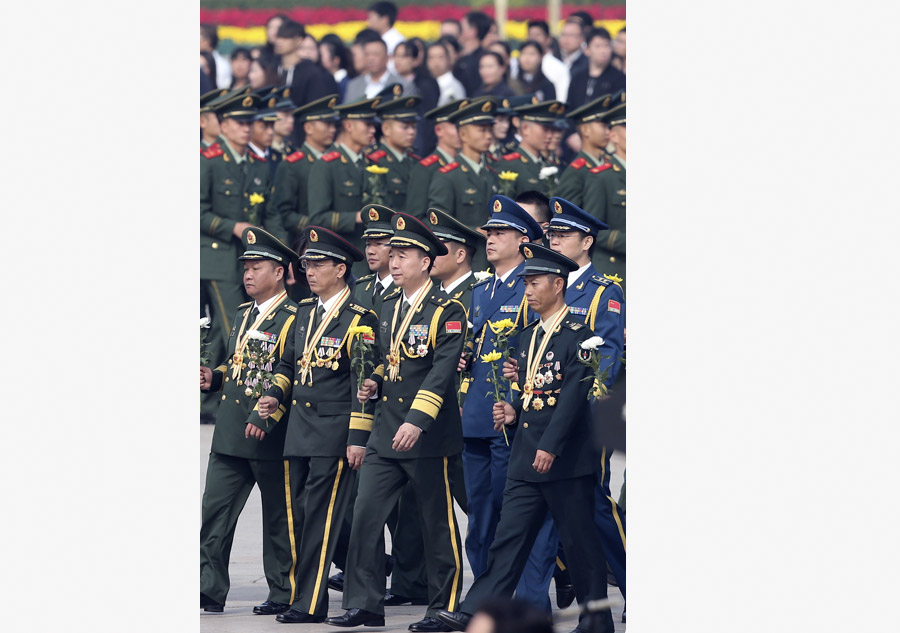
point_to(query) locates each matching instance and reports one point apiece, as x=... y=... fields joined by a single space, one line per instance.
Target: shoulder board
x=244 y=305
x=330 y=156
x=357 y=308
x=512 y=156
x=572 y=325
x=414 y=156
x=533 y=323
x=448 y=168
x=290 y=307
x=431 y=160
x=366 y=277
x=578 y=163
x=214 y=145
x=489 y=168
x=393 y=294
x=377 y=155
x=293 y=158
x=599 y=168
x=441 y=301
x=212 y=151
x=482 y=282
x=307 y=301
x=600 y=280
x=257 y=157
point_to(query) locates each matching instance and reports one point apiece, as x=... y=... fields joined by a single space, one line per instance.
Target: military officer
x=338 y=181
x=454 y=270
x=463 y=188
x=422 y=172
x=209 y=124
x=290 y=190
x=527 y=159
x=247 y=450
x=398 y=128
x=552 y=464
x=371 y=289
x=594 y=134
x=234 y=192
x=327 y=431
x=604 y=195
x=500 y=297
x=416 y=429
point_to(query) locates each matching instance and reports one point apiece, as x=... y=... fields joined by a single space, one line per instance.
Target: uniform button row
x=525 y=425
x=215 y=245
x=384 y=398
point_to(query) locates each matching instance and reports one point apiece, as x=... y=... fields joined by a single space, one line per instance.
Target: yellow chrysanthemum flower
x=361 y=330
x=501 y=326
x=508 y=175
x=490 y=358
x=375 y=169
x=256 y=198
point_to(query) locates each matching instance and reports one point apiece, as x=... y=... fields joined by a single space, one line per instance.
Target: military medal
x=238 y=356
x=397 y=334
x=309 y=343
x=531 y=373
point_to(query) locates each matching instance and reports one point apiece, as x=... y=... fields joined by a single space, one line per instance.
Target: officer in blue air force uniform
x=501 y=296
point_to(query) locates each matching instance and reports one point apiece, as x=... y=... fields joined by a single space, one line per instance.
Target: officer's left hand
x=406 y=437
x=254 y=431
x=355 y=456
x=543 y=461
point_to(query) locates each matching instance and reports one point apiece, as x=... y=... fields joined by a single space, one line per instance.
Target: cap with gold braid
x=402 y=109
x=377 y=219
x=540 y=260
x=507 y=214
x=260 y=244
x=480 y=112
x=442 y=113
x=591 y=111
x=268 y=97
x=545 y=112
x=569 y=217
x=448 y=228
x=240 y=107
x=212 y=95
x=616 y=114
x=411 y=231
x=319 y=110
x=325 y=244
x=364 y=109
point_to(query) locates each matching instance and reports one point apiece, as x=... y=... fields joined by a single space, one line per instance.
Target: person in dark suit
x=491 y=69
x=409 y=62
x=475 y=28
x=600 y=78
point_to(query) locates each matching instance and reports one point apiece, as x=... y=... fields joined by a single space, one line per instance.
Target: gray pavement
x=248 y=584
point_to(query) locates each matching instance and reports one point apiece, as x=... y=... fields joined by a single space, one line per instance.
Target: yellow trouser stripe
x=451 y=519
x=560 y=564
x=615 y=513
x=602 y=465
x=290 y=517
x=361 y=421
x=321 y=572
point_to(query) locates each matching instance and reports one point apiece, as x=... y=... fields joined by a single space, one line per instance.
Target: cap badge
x=552 y=107
x=433 y=216
x=272 y=102
x=527 y=252
x=498 y=206
x=313 y=236
x=401 y=223
x=557 y=206
x=373 y=215
x=561 y=108
x=410 y=102
x=251 y=237
x=487 y=106
x=398 y=90
x=506 y=103
x=376 y=101
x=605 y=103
x=247 y=102
x=286 y=93
x=623 y=96
x=332 y=101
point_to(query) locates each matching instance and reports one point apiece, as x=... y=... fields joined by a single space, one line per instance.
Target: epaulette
x=600 y=280
x=393 y=294
x=578 y=163
x=203 y=149
x=490 y=168
x=572 y=325
x=289 y=307
x=599 y=168
x=431 y=160
x=365 y=277
x=449 y=168
x=357 y=308
x=441 y=301
x=307 y=301
x=512 y=156
x=483 y=281
x=293 y=158
x=377 y=155
x=212 y=152
x=330 y=156
x=245 y=304
x=256 y=156
x=414 y=156
x=535 y=322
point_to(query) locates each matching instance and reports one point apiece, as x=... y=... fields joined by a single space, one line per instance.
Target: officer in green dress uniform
x=553 y=463
x=327 y=429
x=247 y=450
x=290 y=190
x=399 y=118
x=234 y=192
x=526 y=160
x=604 y=195
x=454 y=270
x=371 y=289
x=464 y=187
x=416 y=429
x=338 y=181
x=422 y=172
x=209 y=124
x=284 y=127
x=594 y=134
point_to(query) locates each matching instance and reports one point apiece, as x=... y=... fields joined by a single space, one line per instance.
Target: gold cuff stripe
x=425 y=406
x=322 y=571
x=560 y=564
x=455 y=589
x=611 y=240
x=276 y=416
x=438 y=400
x=335 y=219
x=283 y=335
x=283 y=383
x=290 y=520
x=221 y=368
x=361 y=422
x=214 y=225
x=379 y=371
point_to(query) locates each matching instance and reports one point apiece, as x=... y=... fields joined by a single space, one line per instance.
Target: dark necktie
x=320 y=314
x=254 y=314
x=404 y=308
x=376 y=292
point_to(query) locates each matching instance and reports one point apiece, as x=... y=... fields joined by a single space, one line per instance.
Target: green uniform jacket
x=277 y=156
x=396 y=181
x=562 y=428
x=225 y=191
x=459 y=191
x=425 y=392
x=325 y=416
x=421 y=174
x=236 y=409
x=362 y=292
x=336 y=187
x=605 y=195
x=528 y=170
x=463 y=294
x=571 y=181
x=289 y=193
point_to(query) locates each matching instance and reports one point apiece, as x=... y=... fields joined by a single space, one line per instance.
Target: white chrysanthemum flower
x=546 y=172
x=204 y=322
x=256 y=335
x=592 y=343
x=481 y=275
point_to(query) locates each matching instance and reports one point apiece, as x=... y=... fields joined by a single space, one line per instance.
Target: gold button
x=385 y=398
x=296 y=382
x=307 y=404
x=612 y=259
x=215 y=245
x=227 y=192
x=226 y=378
x=293 y=402
x=299 y=362
x=246 y=194
x=245 y=209
x=223 y=397
x=399 y=399
x=240 y=382
x=237 y=401
x=525 y=426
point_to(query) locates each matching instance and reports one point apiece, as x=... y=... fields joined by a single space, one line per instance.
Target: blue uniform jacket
x=599 y=303
x=508 y=303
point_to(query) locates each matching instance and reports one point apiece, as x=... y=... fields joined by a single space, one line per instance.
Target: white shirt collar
x=505 y=275
x=476 y=167
x=546 y=323
x=265 y=305
x=407 y=298
x=330 y=303
x=354 y=157
x=385 y=281
x=573 y=276
x=456 y=284
x=256 y=150
x=374 y=87
x=444 y=155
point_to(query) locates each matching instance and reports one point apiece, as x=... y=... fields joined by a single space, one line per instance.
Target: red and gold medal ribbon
x=534 y=359
x=238 y=357
x=309 y=344
x=398 y=334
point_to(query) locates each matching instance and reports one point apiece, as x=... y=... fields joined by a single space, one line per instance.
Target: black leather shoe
x=394 y=600
x=293 y=616
x=356 y=617
x=565 y=595
x=336 y=582
x=429 y=624
x=456 y=620
x=270 y=608
x=210 y=605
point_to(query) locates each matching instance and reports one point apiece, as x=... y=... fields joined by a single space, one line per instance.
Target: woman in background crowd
x=335 y=58
x=261 y=74
x=530 y=75
x=208 y=66
x=491 y=70
x=240 y=67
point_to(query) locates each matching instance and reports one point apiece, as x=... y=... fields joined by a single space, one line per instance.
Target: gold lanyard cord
x=238 y=357
x=397 y=335
x=534 y=360
x=309 y=345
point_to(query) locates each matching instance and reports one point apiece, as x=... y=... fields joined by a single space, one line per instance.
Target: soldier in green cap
x=338 y=180
x=283 y=128
x=247 y=450
x=371 y=289
x=422 y=172
x=399 y=118
x=604 y=194
x=290 y=190
x=454 y=270
x=234 y=192
x=327 y=428
x=209 y=124
x=464 y=187
x=536 y=122
x=594 y=134
x=416 y=429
